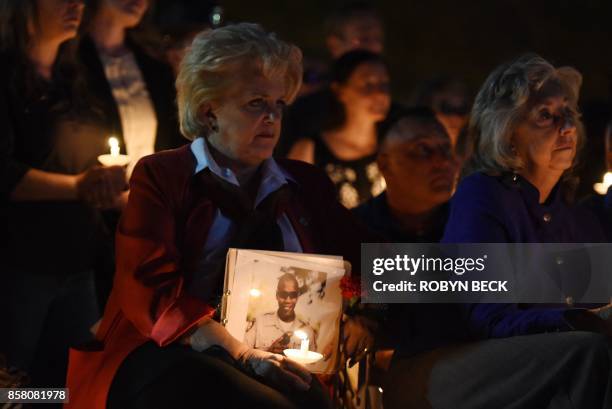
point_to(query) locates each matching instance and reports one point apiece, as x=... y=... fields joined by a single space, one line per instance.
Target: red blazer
x=159 y=240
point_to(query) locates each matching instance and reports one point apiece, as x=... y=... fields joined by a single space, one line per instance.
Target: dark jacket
x=376 y=215
x=44 y=237
x=159 y=80
x=506 y=209
x=159 y=241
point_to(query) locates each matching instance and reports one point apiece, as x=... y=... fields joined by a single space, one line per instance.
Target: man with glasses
x=275 y=331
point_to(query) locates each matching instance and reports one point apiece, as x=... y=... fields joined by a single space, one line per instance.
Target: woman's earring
x=212 y=122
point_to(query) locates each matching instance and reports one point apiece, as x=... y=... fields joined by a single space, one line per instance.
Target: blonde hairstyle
x=502 y=103
x=215 y=59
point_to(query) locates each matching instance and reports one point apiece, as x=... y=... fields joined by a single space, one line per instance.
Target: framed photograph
x=278 y=301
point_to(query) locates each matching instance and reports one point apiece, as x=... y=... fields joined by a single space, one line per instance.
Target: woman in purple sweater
x=526 y=132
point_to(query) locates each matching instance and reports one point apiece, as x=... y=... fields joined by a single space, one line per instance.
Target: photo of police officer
x=275 y=331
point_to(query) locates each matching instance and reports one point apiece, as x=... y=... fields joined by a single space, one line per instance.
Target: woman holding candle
x=136 y=90
x=48 y=143
x=160 y=344
x=526 y=132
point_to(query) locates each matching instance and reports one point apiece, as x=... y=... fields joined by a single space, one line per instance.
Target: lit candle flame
x=602 y=188
x=305 y=342
x=255 y=292
x=114 y=146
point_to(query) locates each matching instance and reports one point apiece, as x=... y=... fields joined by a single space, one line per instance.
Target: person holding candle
x=135 y=90
x=51 y=189
x=526 y=132
x=159 y=343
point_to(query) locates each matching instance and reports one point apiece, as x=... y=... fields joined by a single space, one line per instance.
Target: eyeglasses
x=287 y=294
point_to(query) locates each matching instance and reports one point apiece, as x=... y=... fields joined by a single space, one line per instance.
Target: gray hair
x=503 y=100
x=216 y=57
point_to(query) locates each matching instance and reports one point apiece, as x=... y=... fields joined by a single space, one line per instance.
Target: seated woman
x=346 y=147
x=526 y=131
x=160 y=343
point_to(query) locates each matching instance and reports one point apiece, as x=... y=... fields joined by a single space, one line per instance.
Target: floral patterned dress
x=356 y=181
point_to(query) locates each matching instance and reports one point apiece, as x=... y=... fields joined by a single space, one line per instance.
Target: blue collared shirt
x=273 y=178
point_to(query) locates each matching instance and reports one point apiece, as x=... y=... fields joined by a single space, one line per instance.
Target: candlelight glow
x=305 y=341
x=114 y=146
x=255 y=292
x=602 y=188
x=300 y=334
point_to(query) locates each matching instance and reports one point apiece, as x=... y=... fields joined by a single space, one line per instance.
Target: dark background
x=466 y=39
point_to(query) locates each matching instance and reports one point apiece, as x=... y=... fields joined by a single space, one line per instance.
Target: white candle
x=115 y=158
x=114 y=146
x=602 y=188
x=305 y=341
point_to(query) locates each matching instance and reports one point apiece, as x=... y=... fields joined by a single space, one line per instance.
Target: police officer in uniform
x=275 y=331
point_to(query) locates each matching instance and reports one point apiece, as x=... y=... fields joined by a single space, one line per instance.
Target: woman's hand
x=358 y=337
x=591 y=320
x=277 y=370
x=101 y=186
x=604 y=312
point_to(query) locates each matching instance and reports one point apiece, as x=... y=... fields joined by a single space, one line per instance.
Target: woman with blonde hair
x=160 y=344
x=526 y=131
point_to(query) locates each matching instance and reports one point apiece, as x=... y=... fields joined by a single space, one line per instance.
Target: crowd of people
x=112 y=275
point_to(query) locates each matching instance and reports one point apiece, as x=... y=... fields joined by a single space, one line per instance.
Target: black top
x=376 y=215
x=159 y=80
x=309 y=114
x=356 y=180
x=57 y=237
x=408 y=328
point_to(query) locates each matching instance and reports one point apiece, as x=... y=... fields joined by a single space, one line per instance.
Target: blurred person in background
x=136 y=90
x=180 y=21
x=51 y=189
x=355 y=25
x=450 y=99
x=347 y=144
x=420 y=171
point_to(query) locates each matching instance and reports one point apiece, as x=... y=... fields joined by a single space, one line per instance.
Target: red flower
x=351 y=287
